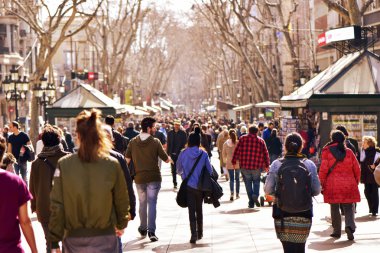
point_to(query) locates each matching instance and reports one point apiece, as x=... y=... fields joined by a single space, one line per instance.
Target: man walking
x=253 y=157
x=41 y=177
x=177 y=140
x=159 y=135
x=130 y=132
x=16 y=143
x=144 y=151
x=120 y=142
x=69 y=140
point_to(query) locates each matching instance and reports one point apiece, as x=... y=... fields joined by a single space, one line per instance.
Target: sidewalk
x=233 y=227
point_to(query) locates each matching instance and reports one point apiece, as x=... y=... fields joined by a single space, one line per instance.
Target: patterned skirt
x=293 y=229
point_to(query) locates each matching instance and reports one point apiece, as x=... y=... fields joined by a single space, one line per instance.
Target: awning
x=294 y=103
x=150 y=108
x=166 y=103
x=164 y=107
x=268 y=104
x=211 y=108
x=157 y=108
x=133 y=110
x=243 y=107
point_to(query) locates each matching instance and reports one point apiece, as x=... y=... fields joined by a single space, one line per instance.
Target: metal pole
x=44 y=102
x=16 y=98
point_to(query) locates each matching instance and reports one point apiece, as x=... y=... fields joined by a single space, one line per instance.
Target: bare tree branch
x=366 y=6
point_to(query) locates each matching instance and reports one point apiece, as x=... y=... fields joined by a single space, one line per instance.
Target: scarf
x=51 y=151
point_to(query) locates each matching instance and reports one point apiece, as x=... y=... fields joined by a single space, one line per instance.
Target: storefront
x=346 y=93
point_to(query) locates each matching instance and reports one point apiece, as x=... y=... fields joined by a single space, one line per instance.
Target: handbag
x=182 y=193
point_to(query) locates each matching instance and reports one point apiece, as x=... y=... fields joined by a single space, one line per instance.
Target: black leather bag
x=182 y=193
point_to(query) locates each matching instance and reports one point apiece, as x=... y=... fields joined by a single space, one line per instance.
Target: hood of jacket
x=193 y=152
x=142 y=141
x=337 y=153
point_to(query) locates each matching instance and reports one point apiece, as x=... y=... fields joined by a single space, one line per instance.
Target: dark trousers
x=174 y=169
x=291 y=247
x=371 y=193
x=194 y=202
x=336 y=218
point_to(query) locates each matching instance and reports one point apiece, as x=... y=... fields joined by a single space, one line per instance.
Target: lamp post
x=45 y=94
x=15 y=88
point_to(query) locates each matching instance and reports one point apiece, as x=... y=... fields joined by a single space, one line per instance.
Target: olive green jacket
x=87 y=199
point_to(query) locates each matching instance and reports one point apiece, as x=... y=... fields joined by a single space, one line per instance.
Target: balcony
x=372 y=18
x=4 y=50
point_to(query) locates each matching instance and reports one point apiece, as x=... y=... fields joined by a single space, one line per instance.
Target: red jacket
x=341 y=186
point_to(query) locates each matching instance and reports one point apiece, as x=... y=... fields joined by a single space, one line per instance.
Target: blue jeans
x=234 y=176
x=21 y=168
x=148 y=199
x=252 y=184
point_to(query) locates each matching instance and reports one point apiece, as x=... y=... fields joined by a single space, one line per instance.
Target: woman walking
x=369 y=159
x=292 y=229
x=340 y=174
x=274 y=146
x=228 y=152
x=186 y=160
x=89 y=199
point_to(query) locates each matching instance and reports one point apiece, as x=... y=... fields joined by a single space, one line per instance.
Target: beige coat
x=228 y=152
x=222 y=138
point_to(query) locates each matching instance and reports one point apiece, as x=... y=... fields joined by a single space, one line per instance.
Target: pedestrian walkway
x=233 y=227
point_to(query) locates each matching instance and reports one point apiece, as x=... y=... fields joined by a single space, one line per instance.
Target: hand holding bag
x=182 y=193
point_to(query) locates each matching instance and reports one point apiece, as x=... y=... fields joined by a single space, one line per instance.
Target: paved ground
x=233 y=227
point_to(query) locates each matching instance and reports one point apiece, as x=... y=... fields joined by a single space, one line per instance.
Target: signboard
x=340 y=34
x=128 y=97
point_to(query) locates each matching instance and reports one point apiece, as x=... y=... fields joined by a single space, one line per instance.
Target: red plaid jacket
x=251 y=152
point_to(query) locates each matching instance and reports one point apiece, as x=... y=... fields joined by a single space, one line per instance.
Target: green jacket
x=87 y=199
x=145 y=156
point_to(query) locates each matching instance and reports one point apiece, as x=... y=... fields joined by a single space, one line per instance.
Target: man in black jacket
x=176 y=141
x=130 y=132
x=120 y=142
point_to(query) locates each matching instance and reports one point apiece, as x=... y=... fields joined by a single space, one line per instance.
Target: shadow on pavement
x=179 y=247
x=329 y=244
x=240 y=211
x=135 y=244
x=365 y=218
x=324 y=233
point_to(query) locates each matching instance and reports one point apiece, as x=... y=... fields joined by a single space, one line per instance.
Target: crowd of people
x=82 y=190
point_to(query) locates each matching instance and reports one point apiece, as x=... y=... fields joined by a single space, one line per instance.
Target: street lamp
x=15 y=88
x=45 y=94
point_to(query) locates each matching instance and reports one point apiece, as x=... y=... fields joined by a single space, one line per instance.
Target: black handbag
x=182 y=193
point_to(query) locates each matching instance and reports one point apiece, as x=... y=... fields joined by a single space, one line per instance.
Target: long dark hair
x=293 y=143
x=337 y=136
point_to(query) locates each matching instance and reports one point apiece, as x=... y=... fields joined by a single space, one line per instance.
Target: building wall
x=17 y=51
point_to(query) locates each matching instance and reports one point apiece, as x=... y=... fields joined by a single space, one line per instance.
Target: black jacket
x=212 y=191
x=182 y=142
x=128 y=180
x=274 y=145
x=130 y=133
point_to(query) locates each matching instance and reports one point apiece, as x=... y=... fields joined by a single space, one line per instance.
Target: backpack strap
x=195 y=165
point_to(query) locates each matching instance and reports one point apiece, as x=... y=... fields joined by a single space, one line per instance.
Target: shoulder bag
x=329 y=172
x=182 y=193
